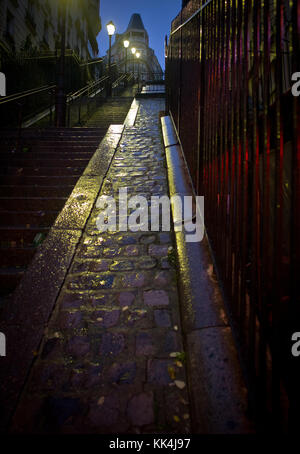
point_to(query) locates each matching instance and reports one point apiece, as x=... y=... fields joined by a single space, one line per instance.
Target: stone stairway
x=35 y=181
x=113 y=111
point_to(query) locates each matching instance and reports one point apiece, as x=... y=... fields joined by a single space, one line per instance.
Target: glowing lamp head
x=111 y=28
x=137 y=54
x=133 y=50
x=126 y=43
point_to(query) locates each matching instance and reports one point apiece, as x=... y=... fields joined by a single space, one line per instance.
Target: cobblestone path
x=112 y=360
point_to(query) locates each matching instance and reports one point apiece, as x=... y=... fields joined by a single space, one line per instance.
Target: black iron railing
x=228 y=81
x=82 y=103
x=36 y=107
x=16 y=108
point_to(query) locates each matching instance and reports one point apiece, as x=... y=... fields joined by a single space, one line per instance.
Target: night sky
x=156 y=15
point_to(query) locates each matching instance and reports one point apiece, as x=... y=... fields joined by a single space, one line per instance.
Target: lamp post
x=133 y=51
x=138 y=54
x=110 y=30
x=126 y=45
x=61 y=99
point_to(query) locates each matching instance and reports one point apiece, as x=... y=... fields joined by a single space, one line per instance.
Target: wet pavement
x=112 y=358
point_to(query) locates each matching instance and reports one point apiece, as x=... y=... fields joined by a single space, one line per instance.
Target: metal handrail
x=91 y=90
x=85 y=89
x=92 y=87
x=25 y=94
x=117 y=81
x=92 y=62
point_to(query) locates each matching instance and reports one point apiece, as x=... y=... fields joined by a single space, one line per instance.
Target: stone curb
x=132 y=113
x=217 y=391
x=150 y=95
x=24 y=321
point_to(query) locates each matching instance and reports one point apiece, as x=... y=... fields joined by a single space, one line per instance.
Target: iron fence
x=229 y=66
x=36 y=107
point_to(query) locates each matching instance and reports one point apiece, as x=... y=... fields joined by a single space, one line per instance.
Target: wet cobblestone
x=108 y=361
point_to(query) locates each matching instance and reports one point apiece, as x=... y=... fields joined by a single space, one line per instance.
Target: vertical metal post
x=109 y=88
x=294 y=305
x=69 y=112
x=60 y=90
x=278 y=310
x=20 y=117
x=51 y=103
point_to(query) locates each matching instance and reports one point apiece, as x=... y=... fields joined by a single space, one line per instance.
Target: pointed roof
x=136 y=22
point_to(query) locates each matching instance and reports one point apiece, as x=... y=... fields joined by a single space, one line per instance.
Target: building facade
x=33 y=26
x=147 y=66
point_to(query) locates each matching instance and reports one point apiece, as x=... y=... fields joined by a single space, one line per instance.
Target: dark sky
x=156 y=15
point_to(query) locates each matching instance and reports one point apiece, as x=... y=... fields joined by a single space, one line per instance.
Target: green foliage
x=38 y=239
x=181 y=357
x=172 y=257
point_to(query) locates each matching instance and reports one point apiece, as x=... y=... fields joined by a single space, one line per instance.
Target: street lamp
x=133 y=51
x=126 y=45
x=61 y=98
x=110 y=30
x=138 y=54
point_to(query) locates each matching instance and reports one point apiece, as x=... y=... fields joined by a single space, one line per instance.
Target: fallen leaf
x=186 y=416
x=125 y=308
x=176 y=418
x=180 y=384
x=125 y=376
x=175 y=328
x=174 y=354
x=179 y=364
x=171 y=371
x=101 y=400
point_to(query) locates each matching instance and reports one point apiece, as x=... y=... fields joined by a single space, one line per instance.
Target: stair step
x=32 y=203
x=43 y=171
x=49 y=147
x=23 y=219
x=9 y=279
x=38 y=180
x=35 y=191
x=46 y=155
x=12 y=237
x=12 y=257
x=59 y=162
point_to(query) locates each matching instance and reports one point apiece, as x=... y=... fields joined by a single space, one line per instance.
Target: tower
x=138 y=37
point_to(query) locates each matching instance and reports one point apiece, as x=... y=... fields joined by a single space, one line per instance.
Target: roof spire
x=136 y=22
